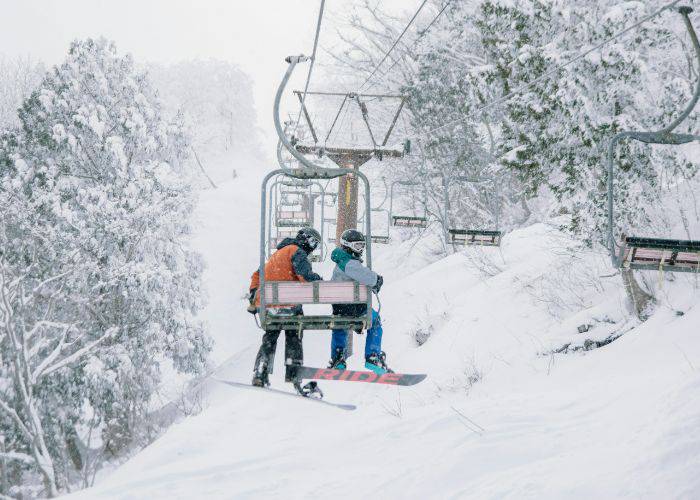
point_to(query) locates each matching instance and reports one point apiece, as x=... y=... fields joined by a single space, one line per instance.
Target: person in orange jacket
x=289 y=263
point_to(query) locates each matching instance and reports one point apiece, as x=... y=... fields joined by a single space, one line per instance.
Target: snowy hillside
x=527 y=170
x=499 y=416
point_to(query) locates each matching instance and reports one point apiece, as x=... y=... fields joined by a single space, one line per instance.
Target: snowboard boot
x=260 y=378
x=309 y=390
x=338 y=360
x=263 y=367
x=290 y=371
x=377 y=363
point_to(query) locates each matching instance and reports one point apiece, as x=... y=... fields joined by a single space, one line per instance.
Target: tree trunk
x=74 y=450
x=639 y=299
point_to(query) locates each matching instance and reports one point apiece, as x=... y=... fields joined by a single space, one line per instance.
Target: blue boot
x=377 y=363
x=338 y=361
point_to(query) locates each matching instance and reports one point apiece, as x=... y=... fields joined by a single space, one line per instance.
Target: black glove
x=252 y=308
x=378 y=285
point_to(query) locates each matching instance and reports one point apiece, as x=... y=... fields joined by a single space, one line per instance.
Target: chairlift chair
x=293 y=217
x=478 y=237
x=410 y=221
x=655 y=253
x=645 y=253
x=274 y=295
x=381 y=238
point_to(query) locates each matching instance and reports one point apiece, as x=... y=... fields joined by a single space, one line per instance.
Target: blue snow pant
x=373 y=341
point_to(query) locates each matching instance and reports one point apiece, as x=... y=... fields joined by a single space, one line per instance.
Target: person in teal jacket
x=349 y=267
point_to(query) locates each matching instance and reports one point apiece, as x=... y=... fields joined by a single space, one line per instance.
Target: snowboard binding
x=338 y=360
x=308 y=390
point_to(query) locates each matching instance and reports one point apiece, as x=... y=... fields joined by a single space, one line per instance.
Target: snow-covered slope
x=499 y=416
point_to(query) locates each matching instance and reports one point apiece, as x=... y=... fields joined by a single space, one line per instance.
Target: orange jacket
x=288 y=263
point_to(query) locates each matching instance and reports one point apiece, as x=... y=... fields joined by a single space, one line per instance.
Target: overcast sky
x=255 y=34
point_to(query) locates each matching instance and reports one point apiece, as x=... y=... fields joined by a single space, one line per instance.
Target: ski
x=285 y=393
x=307 y=372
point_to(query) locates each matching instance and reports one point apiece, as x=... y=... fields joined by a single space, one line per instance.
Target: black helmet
x=353 y=241
x=308 y=239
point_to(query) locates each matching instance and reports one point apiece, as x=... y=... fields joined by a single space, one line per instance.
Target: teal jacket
x=350 y=268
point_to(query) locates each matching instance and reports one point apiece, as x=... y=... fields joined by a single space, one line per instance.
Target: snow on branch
x=46 y=367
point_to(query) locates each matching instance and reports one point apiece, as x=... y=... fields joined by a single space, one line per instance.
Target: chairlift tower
x=350 y=157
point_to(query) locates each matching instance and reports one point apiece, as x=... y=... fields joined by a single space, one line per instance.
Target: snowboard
x=307 y=372
x=285 y=393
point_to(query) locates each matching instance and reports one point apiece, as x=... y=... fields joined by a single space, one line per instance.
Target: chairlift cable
x=395 y=44
x=311 y=65
x=415 y=42
x=557 y=68
x=341 y=125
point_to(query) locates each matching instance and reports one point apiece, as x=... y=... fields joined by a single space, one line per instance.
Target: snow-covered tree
x=99 y=284
x=214 y=101
x=18 y=77
x=489 y=79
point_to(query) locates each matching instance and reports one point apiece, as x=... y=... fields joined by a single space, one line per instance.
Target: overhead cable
x=395 y=44
x=311 y=65
x=415 y=42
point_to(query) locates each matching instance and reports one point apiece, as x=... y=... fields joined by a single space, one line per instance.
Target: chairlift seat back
x=475 y=237
x=279 y=294
x=381 y=239
x=296 y=183
x=408 y=221
x=292 y=218
x=292 y=214
x=660 y=254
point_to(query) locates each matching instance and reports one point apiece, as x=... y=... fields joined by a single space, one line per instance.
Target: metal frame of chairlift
x=278 y=293
x=405 y=220
x=480 y=237
x=382 y=238
x=656 y=253
x=288 y=226
x=293 y=221
x=378 y=151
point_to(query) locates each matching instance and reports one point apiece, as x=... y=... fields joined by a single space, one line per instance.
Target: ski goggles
x=313 y=242
x=355 y=246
